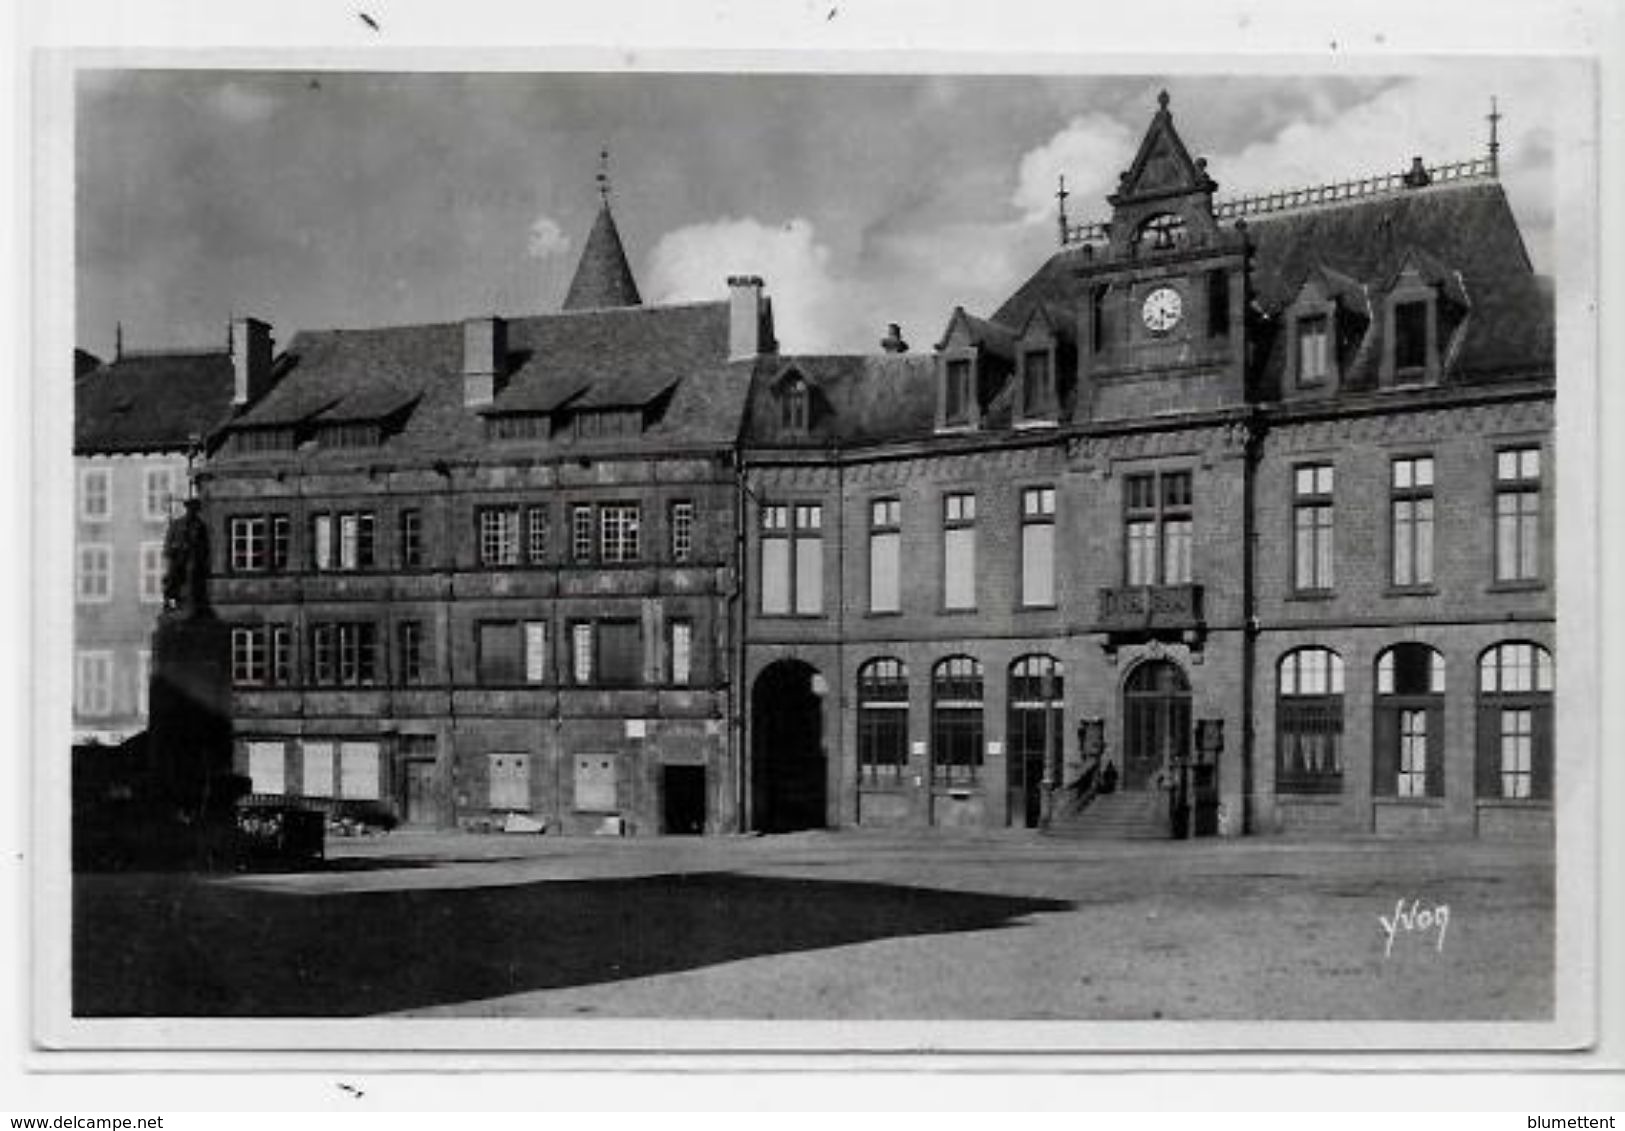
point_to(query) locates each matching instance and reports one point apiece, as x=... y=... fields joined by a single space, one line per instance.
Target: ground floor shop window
x=882 y=721
x=1515 y=683
x=1309 y=722
x=956 y=721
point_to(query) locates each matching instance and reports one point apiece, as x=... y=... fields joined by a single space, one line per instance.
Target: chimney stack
x=485 y=359
x=750 y=319
x=893 y=341
x=250 y=360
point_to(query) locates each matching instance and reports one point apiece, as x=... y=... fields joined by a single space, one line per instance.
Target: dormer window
x=796 y=413
x=1313 y=350
x=1037 y=385
x=1410 y=342
x=957 y=392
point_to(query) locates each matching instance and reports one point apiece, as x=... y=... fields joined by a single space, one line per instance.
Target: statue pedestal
x=189 y=711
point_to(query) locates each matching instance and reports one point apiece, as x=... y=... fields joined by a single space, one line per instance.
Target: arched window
x=956 y=721
x=1034 y=735
x=1408 y=760
x=882 y=722
x=1515 y=721
x=1162 y=232
x=1309 y=722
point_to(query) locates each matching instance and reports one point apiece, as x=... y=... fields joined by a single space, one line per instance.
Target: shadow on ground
x=176 y=946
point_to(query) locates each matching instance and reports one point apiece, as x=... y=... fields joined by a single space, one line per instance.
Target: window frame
x=959 y=518
x=341 y=644
x=1409 y=496
x=163 y=512
x=1038 y=506
x=970 y=716
x=1318 y=503
x=881 y=693
x=409 y=538
x=1162 y=516
x=93 y=583
x=680 y=523
x=102 y=704
x=886 y=522
x=352 y=550
x=680 y=659
x=796 y=523
x=1521 y=487
x=1319 y=710
x=622 y=546
x=499 y=535
x=104 y=477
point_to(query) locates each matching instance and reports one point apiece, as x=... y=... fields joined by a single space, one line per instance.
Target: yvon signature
x=1418 y=917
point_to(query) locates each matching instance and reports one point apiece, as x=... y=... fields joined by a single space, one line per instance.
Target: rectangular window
x=152 y=572
x=595 y=778
x=410 y=533
x=143 y=681
x=501 y=661
x=581 y=533
x=1517 y=751
x=957 y=394
x=93 y=684
x=499 y=536
x=538 y=531
x=95 y=494
x=266 y=769
x=618 y=532
x=261 y=655
x=342 y=541
x=94 y=583
x=1517 y=514
x=1410 y=339
x=281 y=529
x=1159 y=529
x=682 y=532
x=682 y=653
x=809 y=540
x=318 y=769
x=1413 y=753
x=885 y=554
x=620 y=653
x=1314 y=354
x=959 y=551
x=344 y=654
x=1412 y=521
x=409 y=653
x=581 y=652
x=1218 y=303
x=1312 y=528
x=775 y=552
x=1036 y=391
x=249 y=543
x=358 y=770
x=510 y=781
x=1038 y=546
x=282 y=655
x=535 y=651
x=157 y=493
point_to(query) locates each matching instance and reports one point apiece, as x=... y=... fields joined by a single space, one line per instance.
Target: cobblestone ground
x=834 y=926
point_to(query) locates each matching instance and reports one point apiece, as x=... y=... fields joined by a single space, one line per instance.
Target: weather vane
x=1494 y=117
x=603 y=176
x=1060 y=197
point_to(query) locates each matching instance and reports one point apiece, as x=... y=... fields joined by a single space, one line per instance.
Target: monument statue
x=186 y=562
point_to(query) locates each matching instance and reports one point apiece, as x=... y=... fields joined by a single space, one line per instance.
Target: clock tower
x=1164 y=285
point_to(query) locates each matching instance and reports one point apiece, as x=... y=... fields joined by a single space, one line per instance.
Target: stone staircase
x=1114 y=816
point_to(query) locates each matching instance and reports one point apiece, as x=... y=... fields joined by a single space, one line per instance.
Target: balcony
x=1133 y=613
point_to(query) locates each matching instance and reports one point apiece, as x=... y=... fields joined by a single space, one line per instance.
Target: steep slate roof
x=150 y=402
x=602 y=279
x=857 y=398
x=607 y=358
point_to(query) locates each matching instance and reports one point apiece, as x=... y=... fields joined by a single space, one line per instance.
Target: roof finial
x=1162 y=101
x=603 y=176
x=1495 y=137
x=118 y=340
x=1060 y=196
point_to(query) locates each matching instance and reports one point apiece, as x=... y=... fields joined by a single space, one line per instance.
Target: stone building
x=485 y=568
x=1248 y=500
x=137 y=420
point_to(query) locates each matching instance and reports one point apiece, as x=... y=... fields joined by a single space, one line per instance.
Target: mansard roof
x=628 y=358
x=151 y=401
x=865 y=398
x=603 y=278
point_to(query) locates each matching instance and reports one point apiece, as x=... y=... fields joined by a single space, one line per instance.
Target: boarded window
x=595 y=783
x=959 y=552
x=265 y=770
x=500 y=659
x=620 y=653
x=358 y=770
x=885 y=545
x=510 y=781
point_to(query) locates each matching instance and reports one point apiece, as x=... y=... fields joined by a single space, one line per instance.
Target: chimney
x=485 y=359
x=750 y=319
x=893 y=341
x=250 y=360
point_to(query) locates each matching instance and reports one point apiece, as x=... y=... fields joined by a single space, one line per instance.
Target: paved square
x=835 y=925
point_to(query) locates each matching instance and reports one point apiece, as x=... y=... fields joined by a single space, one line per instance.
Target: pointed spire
x=1494 y=117
x=603 y=278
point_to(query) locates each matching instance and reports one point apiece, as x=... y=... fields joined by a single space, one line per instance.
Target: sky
x=329 y=199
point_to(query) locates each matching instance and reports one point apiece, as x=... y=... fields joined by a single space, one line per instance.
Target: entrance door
x=1035 y=726
x=422 y=805
x=684 y=800
x=788 y=784
x=1156 y=721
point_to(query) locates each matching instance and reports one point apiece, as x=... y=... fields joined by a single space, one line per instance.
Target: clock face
x=1161 y=310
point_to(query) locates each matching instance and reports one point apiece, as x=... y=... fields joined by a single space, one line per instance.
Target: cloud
x=242 y=104
x=1089 y=151
x=547 y=239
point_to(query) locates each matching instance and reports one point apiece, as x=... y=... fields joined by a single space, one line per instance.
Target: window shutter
x=1385 y=753
x=1436 y=748
x=1541 y=756
x=1487 y=776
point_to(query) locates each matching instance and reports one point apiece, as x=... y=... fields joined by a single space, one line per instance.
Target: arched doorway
x=1156 y=721
x=789 y=786
x=1033 y=735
